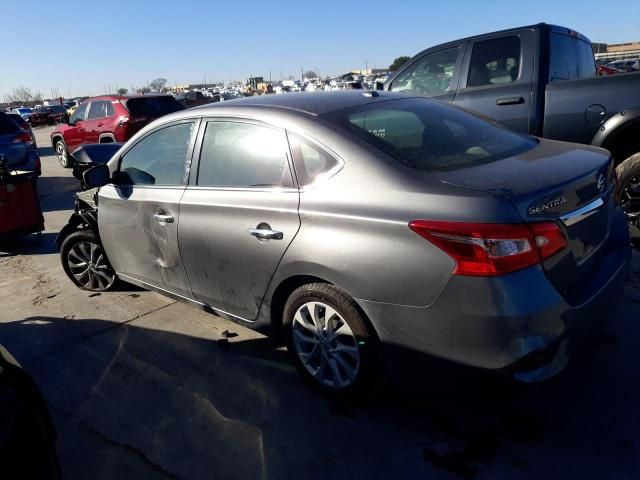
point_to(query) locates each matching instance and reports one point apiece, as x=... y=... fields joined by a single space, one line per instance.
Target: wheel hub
x=326 y=345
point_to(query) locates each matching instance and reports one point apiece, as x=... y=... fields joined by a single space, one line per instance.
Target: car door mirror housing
x=379 y=86
x=97 y=176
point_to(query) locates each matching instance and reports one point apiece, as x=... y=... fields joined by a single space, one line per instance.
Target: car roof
x=314 y=103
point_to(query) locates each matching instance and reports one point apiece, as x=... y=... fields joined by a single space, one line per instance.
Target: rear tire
x=628 y=173
x=330 y=342
x=63 y=154
x=85 y=262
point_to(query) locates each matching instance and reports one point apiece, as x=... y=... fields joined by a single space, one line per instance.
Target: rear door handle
x=265 y=234
x=100 y=124
x=510 y=101
x=162 y=218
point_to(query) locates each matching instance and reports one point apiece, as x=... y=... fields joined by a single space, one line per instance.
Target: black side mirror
x=97 y=176
x=379 y=86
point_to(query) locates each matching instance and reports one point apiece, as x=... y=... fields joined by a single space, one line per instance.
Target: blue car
x=17 y=149
x=25 y=113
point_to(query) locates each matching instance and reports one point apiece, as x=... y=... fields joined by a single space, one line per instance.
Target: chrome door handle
x=163 y=219
x=265 y=234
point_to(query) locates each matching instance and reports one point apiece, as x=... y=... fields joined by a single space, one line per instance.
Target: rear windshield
x=18 y=119
x=7 y=125
x=153 y=106
x=427 y=135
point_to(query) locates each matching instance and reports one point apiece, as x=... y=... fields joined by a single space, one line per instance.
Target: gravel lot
x=142 y=387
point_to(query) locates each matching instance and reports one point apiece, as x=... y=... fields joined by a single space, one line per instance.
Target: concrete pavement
x=141 y=387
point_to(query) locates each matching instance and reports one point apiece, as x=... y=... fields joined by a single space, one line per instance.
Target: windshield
x=153 y=106
x=427 y=135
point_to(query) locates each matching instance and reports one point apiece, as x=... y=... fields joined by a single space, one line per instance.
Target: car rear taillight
x=123 y=121
x=489 y=249
x=23 y=137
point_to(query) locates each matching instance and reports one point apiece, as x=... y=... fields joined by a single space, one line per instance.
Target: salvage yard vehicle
x=108 y=118
x=539 y=80
x=48 y=115
x=17 y=149
x=356 y=224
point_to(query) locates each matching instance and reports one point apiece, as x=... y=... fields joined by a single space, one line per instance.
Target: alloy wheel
x=61 y=152
x=630 y=199
x=88 y=265
x=326 y=345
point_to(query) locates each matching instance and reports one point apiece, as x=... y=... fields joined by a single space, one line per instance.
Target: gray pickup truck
x=540 y=80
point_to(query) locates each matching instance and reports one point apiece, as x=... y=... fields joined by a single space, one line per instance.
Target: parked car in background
x=361 y=225
x=109 y=118
x=539 y=80
x=626 y=65
x=17 y=150
x=24 y=126
x=24 y=112
x=606 y=70
x=48 y=115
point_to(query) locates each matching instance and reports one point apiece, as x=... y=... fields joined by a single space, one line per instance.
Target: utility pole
x=301 y=75
x=269 y=76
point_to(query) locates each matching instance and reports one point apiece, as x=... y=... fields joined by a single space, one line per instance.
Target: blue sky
x=79 y=47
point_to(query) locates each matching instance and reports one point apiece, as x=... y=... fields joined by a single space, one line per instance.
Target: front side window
x=495 y=62
x=243 y=155
x=571 y=58
x=430 y=75
x=157 y=159
x=430 y=136
x=80 y=113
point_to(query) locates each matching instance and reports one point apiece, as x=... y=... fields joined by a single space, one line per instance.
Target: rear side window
x=245 y=155
x=96 y=109
x=157 y=159
x=571 y=58
x=427 y=135
x=108 y=109
x=312 y=162
x=153 y=106
x=7 y=125
x=495 y=62
x=429 y=75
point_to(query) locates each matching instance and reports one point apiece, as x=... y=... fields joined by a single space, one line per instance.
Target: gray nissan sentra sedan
x=356 y=224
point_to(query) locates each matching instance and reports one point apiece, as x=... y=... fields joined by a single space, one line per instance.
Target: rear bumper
x=517 y=324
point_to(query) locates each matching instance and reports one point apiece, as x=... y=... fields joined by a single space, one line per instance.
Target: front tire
x=63 y=154
x=85 y=262
x=329 y=340
x=628 y=173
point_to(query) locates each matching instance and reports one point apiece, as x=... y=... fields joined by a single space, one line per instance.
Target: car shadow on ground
x=46 y=151
x=33 y=244
x=194 y=407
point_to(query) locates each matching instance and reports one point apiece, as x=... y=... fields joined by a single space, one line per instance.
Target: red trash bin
x=20 y=212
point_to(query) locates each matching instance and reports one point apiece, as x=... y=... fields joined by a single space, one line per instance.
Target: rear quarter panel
x=567 y=103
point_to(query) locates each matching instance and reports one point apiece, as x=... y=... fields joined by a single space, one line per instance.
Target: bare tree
x=143 y=90
x=310 y=74
x=20 y=95
x=122 y=91
x=158 y=84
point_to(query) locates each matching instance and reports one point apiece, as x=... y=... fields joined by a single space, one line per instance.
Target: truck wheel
x=329 y=340
x=85 y=262
x=63 y=154
x=629 y=188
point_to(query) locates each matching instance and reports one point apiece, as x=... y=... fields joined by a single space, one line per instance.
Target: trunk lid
x=570 y=184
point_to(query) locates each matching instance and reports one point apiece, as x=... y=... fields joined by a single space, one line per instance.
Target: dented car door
x=139 y=211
